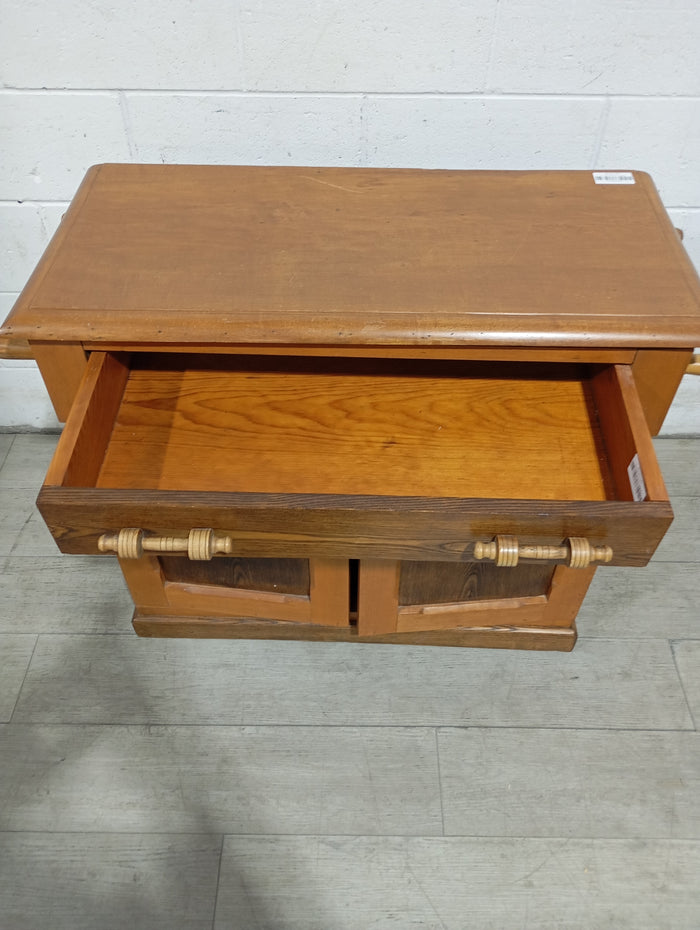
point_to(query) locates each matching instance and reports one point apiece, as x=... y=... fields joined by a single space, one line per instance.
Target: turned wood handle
x=506 y=552
x=199 y=544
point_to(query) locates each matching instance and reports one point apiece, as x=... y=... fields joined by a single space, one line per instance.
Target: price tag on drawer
x=634 y=470
x=613 y=177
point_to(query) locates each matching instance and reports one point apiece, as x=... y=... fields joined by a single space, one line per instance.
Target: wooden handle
x=506 y=552
x=199 y=544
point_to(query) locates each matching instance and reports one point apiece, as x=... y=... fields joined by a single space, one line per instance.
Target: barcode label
x=634 y=470
x=613 y=177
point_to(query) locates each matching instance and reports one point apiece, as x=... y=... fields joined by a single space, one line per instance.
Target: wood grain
x=62 y=368
x=299 y=526
x=377 y=596
x=193 y=600
x=490 y=637
x=329 y=592
x=284 y=576
x=657 y=375
x=362 y=430
x=553 y=607
x=430 y=582
x=585 y=355
x=166 y=587
x=15 y=348
x=513 y=612
x=625 y=432
x=218 y=254
x=144 y=578
x=81 y=449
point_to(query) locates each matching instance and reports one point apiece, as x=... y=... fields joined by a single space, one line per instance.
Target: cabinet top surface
x=237 y=255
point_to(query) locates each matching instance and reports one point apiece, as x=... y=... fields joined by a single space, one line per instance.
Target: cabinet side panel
x=657 y=374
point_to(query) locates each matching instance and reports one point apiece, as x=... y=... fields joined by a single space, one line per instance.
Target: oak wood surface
x=625 y=432
x=329 y=592
x=523 y=612
x=194 y=600
x=377 y=596
x=354 y=438
x=554 y=606
x=284 y=576
x=428 y=582
x=417 y=432
x=330 y=465
x=167 y=586
x=588 y=355
x=146 y=582
x=657 y=375
x=15 y=348
x=62 y=369
x=80 y=452
x=492 y=637
x=220 y=254
x=293 y=526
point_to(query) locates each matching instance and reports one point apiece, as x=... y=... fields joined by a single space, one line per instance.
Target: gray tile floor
x=178 y=784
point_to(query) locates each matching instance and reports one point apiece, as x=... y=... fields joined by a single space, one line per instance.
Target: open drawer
x=355 y=458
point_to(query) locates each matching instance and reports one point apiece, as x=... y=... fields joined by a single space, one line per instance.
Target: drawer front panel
x=397 y=528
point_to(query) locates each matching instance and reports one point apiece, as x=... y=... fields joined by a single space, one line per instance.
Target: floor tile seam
x=10 y=721
x=19 y=533
x=222 y=833
x=636 y=639
x=580 y=837
x=585 y=637
x=215 y=907
x=563 y=837
x=439 y=778
x=7 y=452
x=9 y=831
x=226 y=834
x=582 y=638
x=672 y=645
x=86 y=635
x=140 y=725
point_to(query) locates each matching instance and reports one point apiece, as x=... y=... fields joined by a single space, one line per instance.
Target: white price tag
x=634 y=470
x=613 y=177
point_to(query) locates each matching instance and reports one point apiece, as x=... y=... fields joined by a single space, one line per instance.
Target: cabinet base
x=505 y=637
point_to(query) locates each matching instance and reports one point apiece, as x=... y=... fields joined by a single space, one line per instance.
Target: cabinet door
x=472 y=603
x=237 y=596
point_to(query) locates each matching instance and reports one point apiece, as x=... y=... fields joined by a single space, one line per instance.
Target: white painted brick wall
x=477 y=84
x=482 y=132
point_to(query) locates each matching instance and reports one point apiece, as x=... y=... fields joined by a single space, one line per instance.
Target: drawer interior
x=414 y=428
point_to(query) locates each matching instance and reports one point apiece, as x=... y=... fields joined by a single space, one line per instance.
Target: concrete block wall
x=453 y=83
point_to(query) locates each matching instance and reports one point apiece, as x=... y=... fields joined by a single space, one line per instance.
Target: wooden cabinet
x=371 y=405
